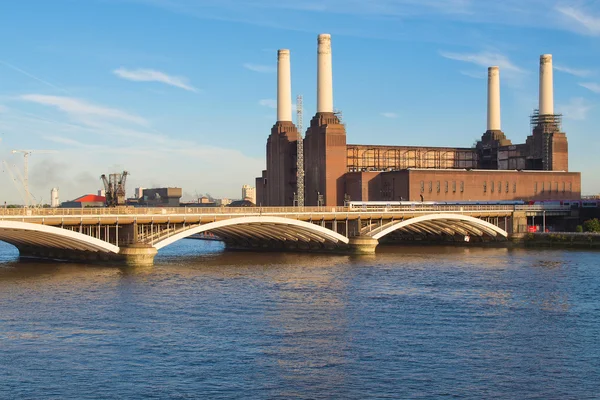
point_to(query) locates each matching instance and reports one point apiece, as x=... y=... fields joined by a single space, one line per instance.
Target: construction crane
x=26 y=154
x=299 y=154
x=15 y=180
x=114 y=187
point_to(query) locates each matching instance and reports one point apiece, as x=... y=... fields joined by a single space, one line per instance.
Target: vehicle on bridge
x=574 y=204
x=378 y=205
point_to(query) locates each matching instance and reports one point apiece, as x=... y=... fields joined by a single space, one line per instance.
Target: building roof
x=241 y=203
x=90 y=198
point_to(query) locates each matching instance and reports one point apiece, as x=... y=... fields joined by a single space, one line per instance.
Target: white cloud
x=582 y=73
x=389 y=114
x=587 y=23
x=265 y=69
x=81 y=108
x=576 y=109
x=268 y=103
x=150 y=75
x=101 y=145
x=3 y=109
x=594 y=87
x=484 y=59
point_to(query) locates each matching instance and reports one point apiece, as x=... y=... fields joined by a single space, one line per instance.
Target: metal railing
x=112 y=211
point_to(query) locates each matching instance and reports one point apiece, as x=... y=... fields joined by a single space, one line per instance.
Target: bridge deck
x=195 y=215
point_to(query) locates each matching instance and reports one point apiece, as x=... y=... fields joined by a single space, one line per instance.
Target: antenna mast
x=300 y=153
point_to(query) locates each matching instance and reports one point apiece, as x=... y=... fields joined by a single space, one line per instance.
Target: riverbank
x=561 y=240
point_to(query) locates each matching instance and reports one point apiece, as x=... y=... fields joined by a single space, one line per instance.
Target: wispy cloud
x=265 y=69
x=150 y=75
x=21 y=71
x=582 y=73
x=594 y=87
x=587 y=23
x=289 y=14
x=389 y=115
x=474 y=74
x=484 y=59
x=66 y=141
x=576 y=109
x=81 y=108
x=268 y=103
x=3 y=109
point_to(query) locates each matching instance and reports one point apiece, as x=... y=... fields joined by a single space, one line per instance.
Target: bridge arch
x=253 y=230
x=27 y=235
x=441 y=224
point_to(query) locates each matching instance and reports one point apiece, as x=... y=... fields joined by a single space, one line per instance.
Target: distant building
x=223 y=202
x=88 y=200
x=54 y=200
x=102 y=192
x=249 y=192
x=138 y=193
x=161 y=197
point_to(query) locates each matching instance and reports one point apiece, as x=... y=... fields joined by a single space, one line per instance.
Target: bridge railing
x=59 y=212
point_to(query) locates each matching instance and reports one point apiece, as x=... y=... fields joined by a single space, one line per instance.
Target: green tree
x=579 y=229
x=592 y=225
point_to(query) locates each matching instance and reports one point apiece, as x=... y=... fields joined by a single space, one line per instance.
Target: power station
x=335 y=172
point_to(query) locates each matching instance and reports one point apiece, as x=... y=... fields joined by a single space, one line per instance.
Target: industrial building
x=160 y=197
x=88 y=200
x=335 y=172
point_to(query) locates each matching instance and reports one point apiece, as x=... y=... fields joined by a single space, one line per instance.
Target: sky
x=182 y=92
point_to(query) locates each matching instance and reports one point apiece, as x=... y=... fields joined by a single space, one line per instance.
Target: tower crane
x=26 y=154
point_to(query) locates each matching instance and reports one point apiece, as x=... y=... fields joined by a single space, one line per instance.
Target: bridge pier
x=362 y=245
x=138 y=254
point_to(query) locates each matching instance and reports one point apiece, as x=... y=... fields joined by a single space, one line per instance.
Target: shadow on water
x=195 y=257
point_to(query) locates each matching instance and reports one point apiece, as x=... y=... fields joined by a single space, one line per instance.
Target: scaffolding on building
x=395 y=158
x=546 y=125
x=549 y=123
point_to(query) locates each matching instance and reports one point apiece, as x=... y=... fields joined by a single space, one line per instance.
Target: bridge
x=134 y=235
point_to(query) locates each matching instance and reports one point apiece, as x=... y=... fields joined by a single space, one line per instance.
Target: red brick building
x=495 y=169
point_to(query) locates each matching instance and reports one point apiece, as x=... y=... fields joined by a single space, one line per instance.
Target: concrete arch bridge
x=134 y=235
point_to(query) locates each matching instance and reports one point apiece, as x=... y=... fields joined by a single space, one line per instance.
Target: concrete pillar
x=493 y=111
x=284 y=86
x=546 y=85
x=137 y=255
x=362 y=245
x=324 y=75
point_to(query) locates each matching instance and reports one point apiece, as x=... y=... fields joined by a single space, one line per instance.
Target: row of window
x=547 y=187
x=499 y=187
x=438 y=185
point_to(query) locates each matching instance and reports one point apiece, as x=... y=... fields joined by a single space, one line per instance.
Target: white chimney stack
x=493 y=116
x=284 y=86
x=324 y=75
x=546 y=85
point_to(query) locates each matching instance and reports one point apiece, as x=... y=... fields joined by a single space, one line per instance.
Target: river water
x=409 y=322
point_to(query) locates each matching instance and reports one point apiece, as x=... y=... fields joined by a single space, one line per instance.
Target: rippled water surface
x=413 y=322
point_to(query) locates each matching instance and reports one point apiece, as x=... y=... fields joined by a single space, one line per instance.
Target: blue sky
x=181 y=92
